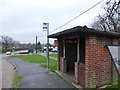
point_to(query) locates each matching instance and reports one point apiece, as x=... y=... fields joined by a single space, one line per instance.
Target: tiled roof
x=83 y=31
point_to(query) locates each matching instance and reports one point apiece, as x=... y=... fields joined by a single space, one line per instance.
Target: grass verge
x=16 y=81
x=54 y=55
x=42 y=60
x=52 y=65
x=31 y=58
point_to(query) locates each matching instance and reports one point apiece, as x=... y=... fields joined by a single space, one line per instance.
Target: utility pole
x=46 y=28
x=36 y=44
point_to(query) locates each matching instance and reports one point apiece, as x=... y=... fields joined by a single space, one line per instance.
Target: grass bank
x=42 y=60
x=16 y=81
x=54 y=55
x=52 y=65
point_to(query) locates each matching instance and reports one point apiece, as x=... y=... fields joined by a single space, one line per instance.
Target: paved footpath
x=36 y=77
x=7 y=70
x=0 y=71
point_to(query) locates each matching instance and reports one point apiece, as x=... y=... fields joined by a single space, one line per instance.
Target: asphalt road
x=36 y=77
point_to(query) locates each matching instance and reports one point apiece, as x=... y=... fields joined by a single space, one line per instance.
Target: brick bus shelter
x=83 y=54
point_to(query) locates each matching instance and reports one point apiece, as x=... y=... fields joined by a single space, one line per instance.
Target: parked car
x=54 y=50
x=8 y=53
x=24 y=52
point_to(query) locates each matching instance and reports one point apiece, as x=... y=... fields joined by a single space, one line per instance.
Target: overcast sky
x=23 y=19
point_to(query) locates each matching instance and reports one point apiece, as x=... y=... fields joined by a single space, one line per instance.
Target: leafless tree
x=110 y=21
x=7 y=43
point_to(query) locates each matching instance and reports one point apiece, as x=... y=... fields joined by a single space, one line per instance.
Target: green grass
x=42 y=60
x=0 y=50
x=31 y=58
x=54 y=55
x=16 y=81
x=53 y=65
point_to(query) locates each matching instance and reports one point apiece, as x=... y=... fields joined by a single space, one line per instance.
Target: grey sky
x=23 y=19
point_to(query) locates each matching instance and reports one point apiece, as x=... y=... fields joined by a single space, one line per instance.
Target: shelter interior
x=73 y=51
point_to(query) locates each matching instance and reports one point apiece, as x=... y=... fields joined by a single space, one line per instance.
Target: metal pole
x=36 y=44
x=48 y=47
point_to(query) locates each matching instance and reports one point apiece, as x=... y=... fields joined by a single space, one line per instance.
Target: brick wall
x=63 y=65
x=98 y=69
x=98 y=64
x=80 y=73
x=90 y=61
x=104 y=62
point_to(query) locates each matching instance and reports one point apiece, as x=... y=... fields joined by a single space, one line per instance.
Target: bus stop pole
x=48 y=47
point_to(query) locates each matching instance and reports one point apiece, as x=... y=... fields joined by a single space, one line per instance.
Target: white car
x=54 y=50
x=8 y=53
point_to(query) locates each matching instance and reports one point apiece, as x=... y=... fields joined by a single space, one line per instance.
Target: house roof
x=83 y=31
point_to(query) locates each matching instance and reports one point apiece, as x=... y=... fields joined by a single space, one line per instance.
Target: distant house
x=55 y=45
x=82 y=53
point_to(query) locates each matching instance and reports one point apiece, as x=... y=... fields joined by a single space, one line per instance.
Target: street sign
x=115 y=54
x=45 y=26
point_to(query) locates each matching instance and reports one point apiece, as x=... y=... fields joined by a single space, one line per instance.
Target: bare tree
x=5 y=40
x=110 y=21
x=7 y=43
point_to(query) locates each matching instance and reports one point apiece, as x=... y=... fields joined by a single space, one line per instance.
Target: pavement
x=0 y=72
x=7 y=73
x=36 y=77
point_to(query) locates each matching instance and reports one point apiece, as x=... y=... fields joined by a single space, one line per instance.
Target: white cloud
x=20 y=18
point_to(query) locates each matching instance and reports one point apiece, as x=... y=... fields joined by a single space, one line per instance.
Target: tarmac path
x=7 y=72
x=36 y=77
